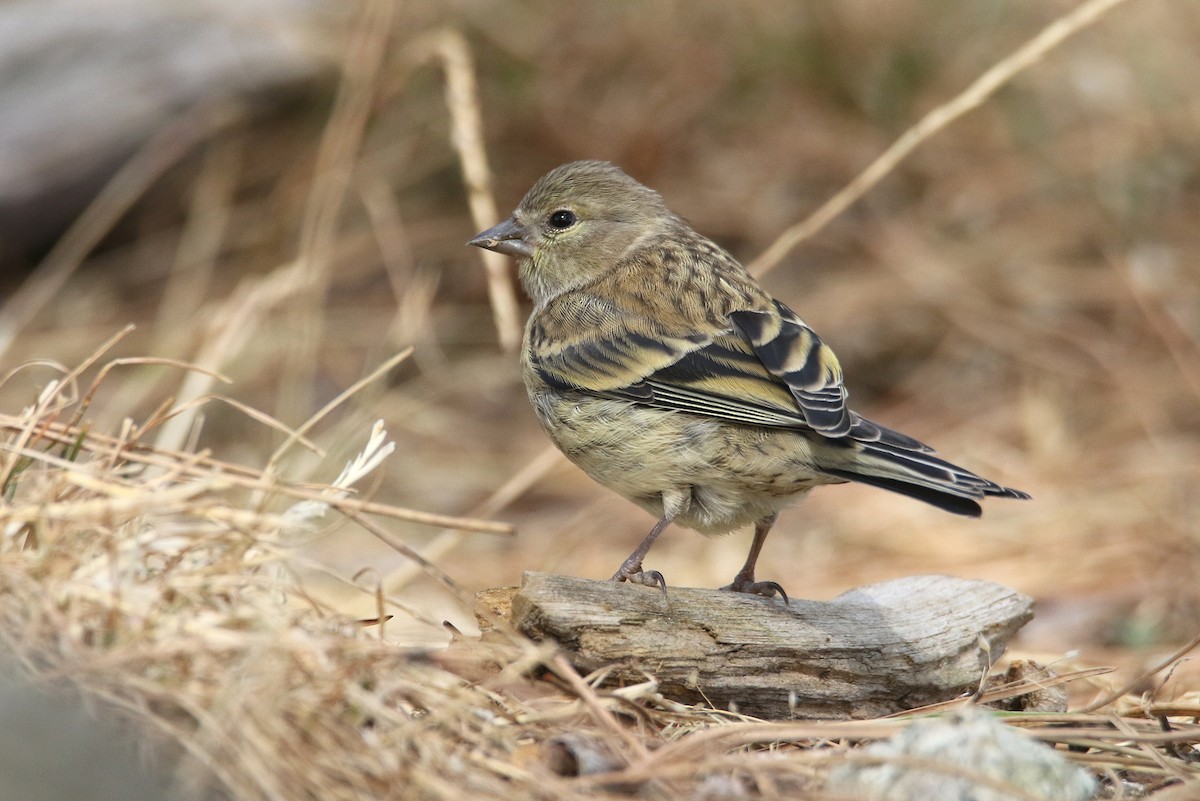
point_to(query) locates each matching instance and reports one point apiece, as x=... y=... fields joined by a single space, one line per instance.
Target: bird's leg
x=631 y=569
x=744 y=580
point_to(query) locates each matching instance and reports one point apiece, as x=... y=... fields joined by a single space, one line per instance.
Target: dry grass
x=1021 y=290
x=164 y=583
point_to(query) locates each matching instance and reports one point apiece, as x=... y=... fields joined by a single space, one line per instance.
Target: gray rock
x=966 y=756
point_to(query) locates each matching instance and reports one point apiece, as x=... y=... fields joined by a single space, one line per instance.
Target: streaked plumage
x=659 y=366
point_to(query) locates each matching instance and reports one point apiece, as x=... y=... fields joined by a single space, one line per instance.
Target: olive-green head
x=574 y=225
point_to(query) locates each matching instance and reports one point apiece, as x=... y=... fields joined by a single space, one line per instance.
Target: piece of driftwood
x=872 y=651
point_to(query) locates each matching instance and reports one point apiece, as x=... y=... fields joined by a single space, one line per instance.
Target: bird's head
x=574 y=225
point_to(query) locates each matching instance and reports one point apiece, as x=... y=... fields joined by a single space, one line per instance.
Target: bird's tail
x=921 y=475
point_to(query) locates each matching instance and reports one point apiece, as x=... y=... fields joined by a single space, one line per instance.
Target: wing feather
x=793 y=353
x=765 y=368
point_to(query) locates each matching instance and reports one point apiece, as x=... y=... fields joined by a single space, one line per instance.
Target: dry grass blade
x=50 y=401
x=336 y=158
x=523 y=480
x=971 y=97
x=1008 y=690
x=341 y=398
x=204 y=468
x=232 y=326
x=129 y=184
x=40 y=425
x=200 y=242
x=462 y=101
x=1183 y=348
x=1140 y=680
x=186 y=409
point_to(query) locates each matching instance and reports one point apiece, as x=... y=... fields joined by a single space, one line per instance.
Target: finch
x=660 y=367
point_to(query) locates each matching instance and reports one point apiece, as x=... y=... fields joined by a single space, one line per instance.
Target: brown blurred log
x=872 y=651
x=86 y=84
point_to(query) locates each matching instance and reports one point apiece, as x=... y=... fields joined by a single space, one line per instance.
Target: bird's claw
x=767 y=589
x=647 y=578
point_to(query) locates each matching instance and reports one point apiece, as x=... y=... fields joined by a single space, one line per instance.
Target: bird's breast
x=730 y=475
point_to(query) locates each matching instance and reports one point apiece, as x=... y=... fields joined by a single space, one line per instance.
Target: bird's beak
x=508 y=238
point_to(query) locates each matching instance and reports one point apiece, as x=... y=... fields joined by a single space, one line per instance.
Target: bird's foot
x=747 y=584
x=635 y=575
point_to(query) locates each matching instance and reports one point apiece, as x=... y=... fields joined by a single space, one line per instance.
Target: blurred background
x=271 y=188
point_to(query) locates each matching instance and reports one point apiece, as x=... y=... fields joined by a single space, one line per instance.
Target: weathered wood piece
x=872 y=651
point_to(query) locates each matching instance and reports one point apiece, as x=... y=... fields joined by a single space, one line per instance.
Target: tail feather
x=939 y=498
x=923 y=476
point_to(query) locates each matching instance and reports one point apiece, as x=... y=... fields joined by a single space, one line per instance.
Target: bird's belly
x=724 y=475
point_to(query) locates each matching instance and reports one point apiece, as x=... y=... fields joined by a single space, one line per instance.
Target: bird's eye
x=563 y=218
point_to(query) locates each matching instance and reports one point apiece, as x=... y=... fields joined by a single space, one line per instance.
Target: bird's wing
x=794 y=354
x=766 y=368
